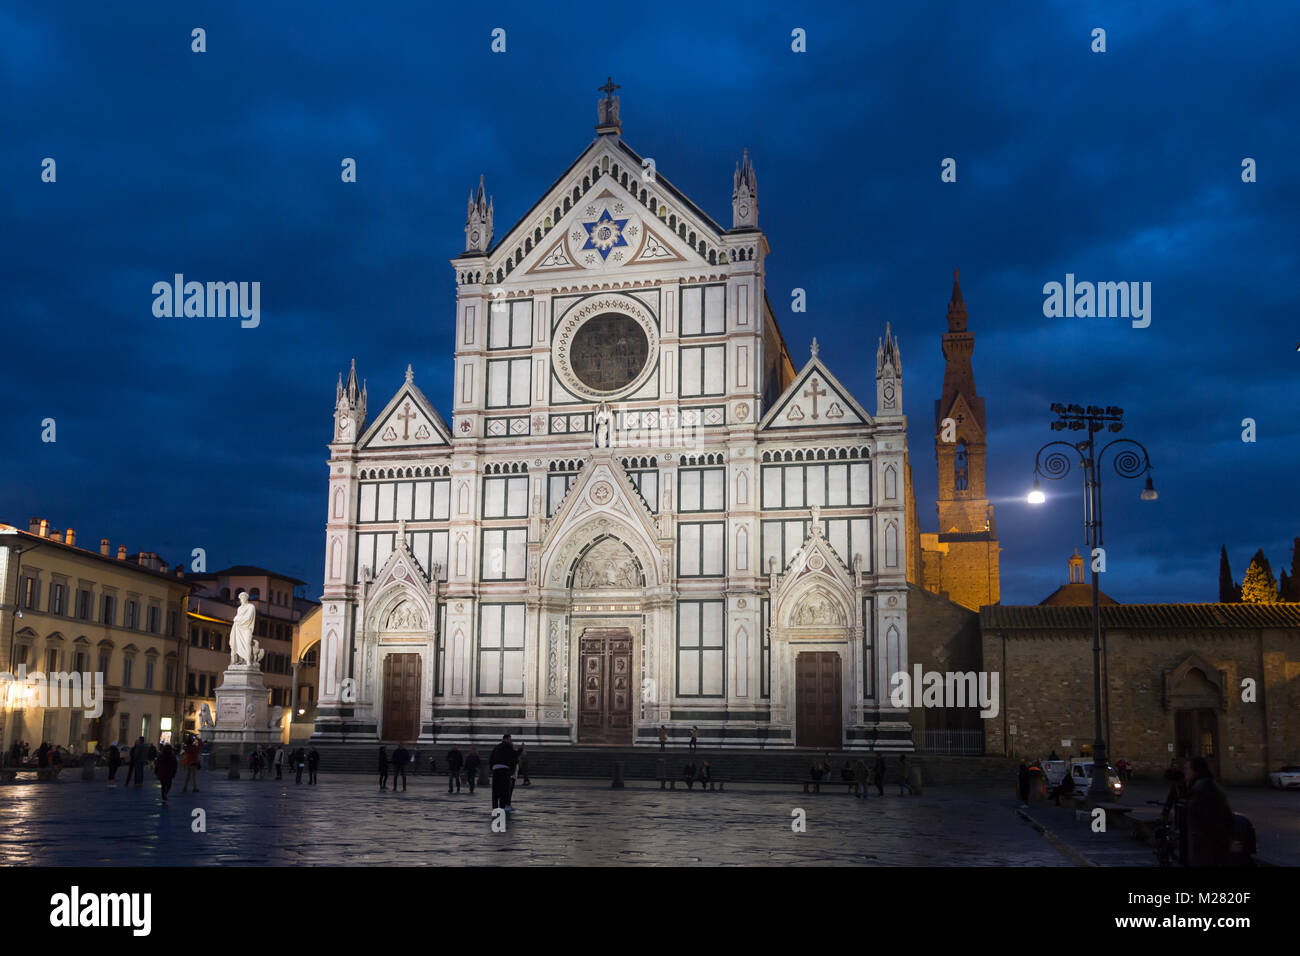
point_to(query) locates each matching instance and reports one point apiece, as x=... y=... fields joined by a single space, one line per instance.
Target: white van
x=1080 y=769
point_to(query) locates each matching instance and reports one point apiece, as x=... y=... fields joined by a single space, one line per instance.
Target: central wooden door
x=401 y=697
x=605 y=662
x=818 y=700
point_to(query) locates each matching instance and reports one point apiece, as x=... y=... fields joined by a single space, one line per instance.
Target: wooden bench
x=41 y=774
x=815 y=786
x=714 y=784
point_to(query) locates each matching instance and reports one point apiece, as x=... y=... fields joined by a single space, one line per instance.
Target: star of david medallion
x=604 y=234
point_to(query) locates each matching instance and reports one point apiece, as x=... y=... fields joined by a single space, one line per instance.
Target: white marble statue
x=603 y=419
x=243 y=649
x=205 y=717
x=277 y=716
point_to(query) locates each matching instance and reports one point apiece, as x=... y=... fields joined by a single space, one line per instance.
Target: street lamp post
x=1129 y=461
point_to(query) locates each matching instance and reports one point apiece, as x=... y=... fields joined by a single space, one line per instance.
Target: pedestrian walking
x=502 y=762
x=860 y=778
x=695 y=738
x=878 y=774
x=1209 y=817
x=114 y=761
x=523 y=765
x=903 y=782
x=164 y=768
x=401 y=757
x=279 y=763
x=383 y=768
x=472 y=764
x=663 y=737
x=313 y=764
x=454 y=762
x=138 y=755
x=190 y=761
x=299 y=764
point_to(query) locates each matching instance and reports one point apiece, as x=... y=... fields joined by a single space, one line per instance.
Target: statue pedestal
x=242 y=709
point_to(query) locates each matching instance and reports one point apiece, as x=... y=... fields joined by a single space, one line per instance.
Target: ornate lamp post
x=1129 y=461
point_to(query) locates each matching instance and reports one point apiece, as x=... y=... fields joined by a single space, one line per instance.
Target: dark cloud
x=182 y=433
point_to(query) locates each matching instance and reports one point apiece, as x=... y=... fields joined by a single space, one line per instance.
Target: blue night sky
x=176 y=433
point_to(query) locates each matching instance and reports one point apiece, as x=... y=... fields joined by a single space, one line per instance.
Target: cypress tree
x=1229 y=593
x=1259 y=586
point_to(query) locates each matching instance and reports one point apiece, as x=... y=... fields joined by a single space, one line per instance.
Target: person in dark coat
x=114 y=761
x=43 y=755
x=138 y=754
x=454 y=762
x=860 y=778
x=299 y=764
x=383 y=768
x=313 y=764
x=164 y=768
x=472 y=763
x=1022 y=783
x=401 y=757
x=1062 y=789
x=688 y=774
x=502 y=763
x=903 y=782
x=878 y=774
x=1209 y=817
x=523 y=766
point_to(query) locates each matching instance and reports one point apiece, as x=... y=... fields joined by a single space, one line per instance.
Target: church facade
x=640 y=513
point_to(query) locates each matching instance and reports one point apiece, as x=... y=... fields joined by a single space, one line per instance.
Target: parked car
x=1288 y=778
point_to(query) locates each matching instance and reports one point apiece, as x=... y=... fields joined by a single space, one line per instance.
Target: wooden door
x=605 y=708
x=1196 y=734
x=818 y=700
x=401 y=697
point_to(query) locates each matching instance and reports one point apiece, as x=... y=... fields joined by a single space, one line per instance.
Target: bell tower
x=961 y=561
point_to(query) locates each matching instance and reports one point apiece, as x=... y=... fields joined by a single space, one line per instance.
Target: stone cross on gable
x=406 y=415
x=814 y=393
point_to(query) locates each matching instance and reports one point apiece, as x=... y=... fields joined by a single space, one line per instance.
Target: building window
x=108 y=610
x=765 y=662
x=51 y=660
x=83 y=608
x=80 y=662
x=781 y=539
x=440 y=664
x=703 y=310
x=404 y=500
x=128 y=663
x=31 y=591
x=124 y=730
x=194 y=637
x=57 y=594
x=170 y=676
x=171 y=624
x=868 y=650
x=148 y=673
x=647 y=485
x=191 y=687
x=703 y=370
x=830 y=485
x=154 y=617
x=558 y=482
x=702 y=549
x=505 y=497
x=508 y=383
x=505 y=554
x=959 y=469
x=510 y=324
x=131 y=615
x=255 y=594
x=849 y=537
x=501 y=650
x=700 y=649
x=103 y=663
x=702 y=489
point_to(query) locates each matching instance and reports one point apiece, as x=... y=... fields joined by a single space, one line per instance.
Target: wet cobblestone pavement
x=347 y=820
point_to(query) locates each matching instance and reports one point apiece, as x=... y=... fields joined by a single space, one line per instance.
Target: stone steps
x=642 y=763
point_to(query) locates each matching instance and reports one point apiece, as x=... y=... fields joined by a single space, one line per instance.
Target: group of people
x=859 y=776
x=693 y=737
x=20 y=754
x=701 y=775
x=263 y=760
x=505 y=763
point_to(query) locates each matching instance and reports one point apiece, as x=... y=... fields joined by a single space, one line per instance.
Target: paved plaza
x=345 y=820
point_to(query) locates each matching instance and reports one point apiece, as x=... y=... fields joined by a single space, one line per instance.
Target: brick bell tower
x=961 y=561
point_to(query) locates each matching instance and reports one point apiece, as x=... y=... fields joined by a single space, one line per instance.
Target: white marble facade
x=631 y=458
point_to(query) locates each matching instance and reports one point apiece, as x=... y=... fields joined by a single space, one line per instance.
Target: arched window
x=960 y=475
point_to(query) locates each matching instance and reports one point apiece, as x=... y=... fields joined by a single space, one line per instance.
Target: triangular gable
x=815 y=399
x=601 y=486
x=407 y=421
x=607 y=231
x=814 y=567
x=529 y=243
x=402 y=567
x=968 y=425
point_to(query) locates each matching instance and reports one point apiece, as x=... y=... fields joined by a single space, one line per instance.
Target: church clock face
x=606 y=346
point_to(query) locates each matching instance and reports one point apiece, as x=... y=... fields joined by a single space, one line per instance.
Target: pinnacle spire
x=956 y=306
